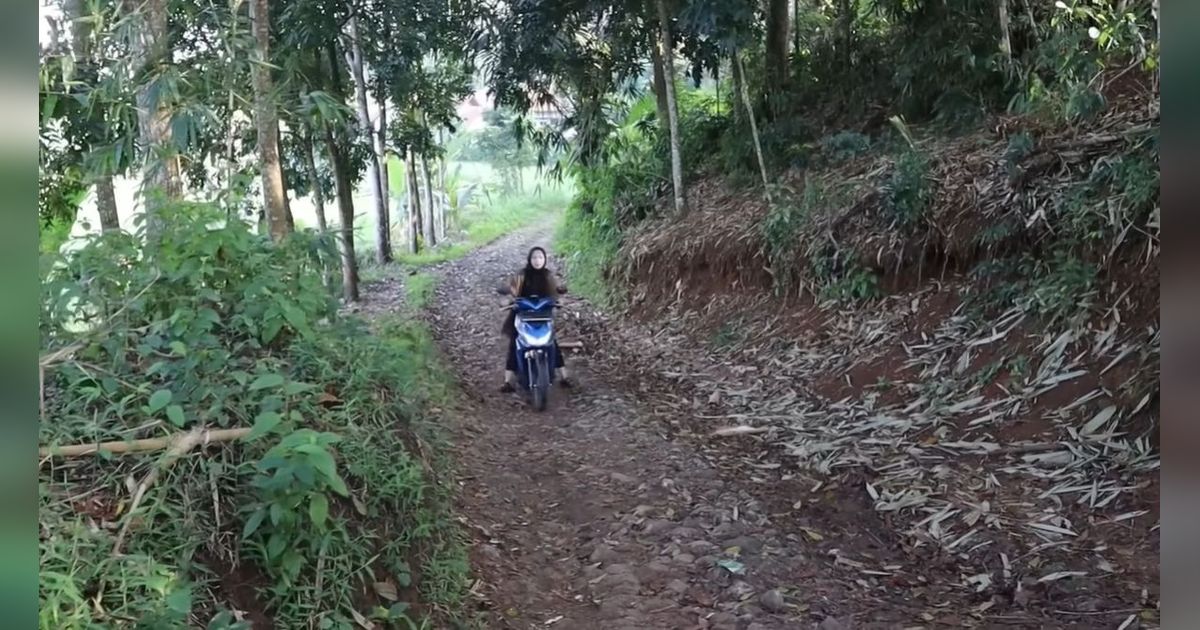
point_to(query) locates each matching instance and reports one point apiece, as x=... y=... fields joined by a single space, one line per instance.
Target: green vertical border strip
x=1180 y=312
x=18 y=315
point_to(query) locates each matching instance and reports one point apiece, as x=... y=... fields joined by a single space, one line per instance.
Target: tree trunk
x=736 y=75
x=314 y=182
x=345 y=199
x=660 y=86
x=161 y=171
x=106 y=204
x=81 y=51
x=1005 y=35
x=415 y=229
x=431 y=225
x=762 y=166
x=283 y=177
x=846 y=28
x=796 y=25
x=353 y=52
x=776 y=58
x=667 y=52
x=274 y=197
x=381 y=151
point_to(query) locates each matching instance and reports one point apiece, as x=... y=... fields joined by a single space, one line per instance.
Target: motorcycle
x=535 y=347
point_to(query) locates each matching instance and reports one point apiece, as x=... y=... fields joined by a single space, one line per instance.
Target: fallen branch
x=204 y=436
x=570 y=345
x=180 y=444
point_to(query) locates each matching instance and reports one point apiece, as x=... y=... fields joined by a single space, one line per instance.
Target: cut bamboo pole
x=202 y=437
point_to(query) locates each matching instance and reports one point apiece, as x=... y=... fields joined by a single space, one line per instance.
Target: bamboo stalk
x=202 y=437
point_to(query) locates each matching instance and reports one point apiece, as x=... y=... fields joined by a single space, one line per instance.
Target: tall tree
x=345 y=199
x=667 y=54
x=267 y=123
x=162 y=170
x=431 y=236
x=354 y=58
x=745 y=95
x=778 y=19
x=660 y=85
x=415 y=229
x=314 y=180
x=340 y=163
x=81 y=50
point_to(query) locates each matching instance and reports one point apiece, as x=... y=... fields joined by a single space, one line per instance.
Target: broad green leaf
x=322 y=461
x=48 y=107
x=295 y=387
x=175 y=415
x=271 y=328
x=318 y=509
x=264 y=424
x=178 y=348
x=275 y=545
x=159 y=399
x=253 y=523
x=295 y=317
x=276 y=513
x=337 y=485
x=180 y=601
x=265 y=381
x=292 y=562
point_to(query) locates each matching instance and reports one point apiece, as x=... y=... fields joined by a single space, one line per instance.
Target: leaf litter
x=1039 y=464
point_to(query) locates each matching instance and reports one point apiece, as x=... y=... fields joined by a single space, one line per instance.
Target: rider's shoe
x=510 y=381
x=564 y=380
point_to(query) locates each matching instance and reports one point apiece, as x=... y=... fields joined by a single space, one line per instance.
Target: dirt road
x=598 y=514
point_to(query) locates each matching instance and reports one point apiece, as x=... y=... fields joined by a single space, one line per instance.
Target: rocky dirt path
x=597 y=513
x=590 y=515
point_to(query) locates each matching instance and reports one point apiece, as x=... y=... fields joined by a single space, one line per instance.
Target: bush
x=211 y=325
x=908 y=190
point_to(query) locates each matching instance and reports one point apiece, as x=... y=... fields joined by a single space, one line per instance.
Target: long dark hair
x=537 y=281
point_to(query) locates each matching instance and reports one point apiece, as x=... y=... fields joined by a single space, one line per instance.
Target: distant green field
x=489 y=212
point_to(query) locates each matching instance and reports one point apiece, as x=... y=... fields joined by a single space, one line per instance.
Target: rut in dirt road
x=587 y=515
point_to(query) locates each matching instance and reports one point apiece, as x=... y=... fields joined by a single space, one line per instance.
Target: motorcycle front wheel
x=541 y=381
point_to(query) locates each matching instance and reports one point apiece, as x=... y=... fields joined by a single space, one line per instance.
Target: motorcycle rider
x=534 y=280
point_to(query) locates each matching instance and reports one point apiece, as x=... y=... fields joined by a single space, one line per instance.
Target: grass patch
x=419 y=289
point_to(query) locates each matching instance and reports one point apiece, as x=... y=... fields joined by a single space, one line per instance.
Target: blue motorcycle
x=535 y=348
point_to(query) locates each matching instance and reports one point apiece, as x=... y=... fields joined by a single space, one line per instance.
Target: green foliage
x=498 y=145
x=492 y=218
x=845 y=145
x=175 y=332
x=783 y=231
x=1061 y=288
x=324 y=498
x=587 y=240
x=294 y=482
x=74 y=556
x=838 y=277
x=908 y=190
x=420 y=288
x=853 y=284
